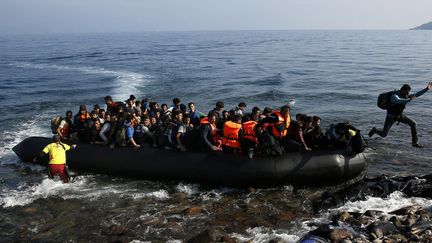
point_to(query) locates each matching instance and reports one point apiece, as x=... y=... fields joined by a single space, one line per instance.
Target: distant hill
x=427 y=26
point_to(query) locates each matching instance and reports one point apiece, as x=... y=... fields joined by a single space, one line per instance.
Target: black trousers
x=391 y=119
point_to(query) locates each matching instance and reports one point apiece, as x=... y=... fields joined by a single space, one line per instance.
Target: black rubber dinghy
x=311 y=168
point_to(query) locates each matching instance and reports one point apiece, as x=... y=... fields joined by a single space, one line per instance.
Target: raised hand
x=429 y=86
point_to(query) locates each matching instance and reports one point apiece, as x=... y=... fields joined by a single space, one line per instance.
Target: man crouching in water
x=57 y=158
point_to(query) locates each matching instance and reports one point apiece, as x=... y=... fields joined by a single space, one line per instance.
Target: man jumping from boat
x=395 y=113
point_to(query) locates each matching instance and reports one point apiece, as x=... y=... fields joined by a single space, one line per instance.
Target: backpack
x=384 y=99
x=55 y=123
x=358 y=143
x=121 y=137
x=268 y=145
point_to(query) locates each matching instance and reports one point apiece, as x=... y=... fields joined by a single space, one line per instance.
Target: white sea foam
x=81 y=187
x=217 y=194
x=125 y=83
x=160 y=194
x=27 y=194
x=261 y=234
x=188 y=189
x=20 y=131
x=195 y=190
x=394 y=201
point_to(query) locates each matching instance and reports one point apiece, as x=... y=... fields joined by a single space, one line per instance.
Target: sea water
x=334 y=74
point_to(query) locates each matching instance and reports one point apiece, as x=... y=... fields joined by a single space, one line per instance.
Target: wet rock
x=380 y=229
x=121 y=239
x=229 y=239
x=410 y=220
x=218 y=221
x=322 y=231
x=284 y=216
x=396 y=222
x=397 y=238
x=424 y=217
x=174 y=226
x=277 y=240
x=407 y=210
x=354 y=222
x=365 y=220
x=239 y=217
x=152 y=221
x=257 y=222
x=373 y=213
x=420 y=227
x=414 y=238
x=208 y=235
x=196 y=210
x=115 y=230
x=343 y=216
x=360 y=239
x=30 y=210
x=337 y=235
x=251 y=190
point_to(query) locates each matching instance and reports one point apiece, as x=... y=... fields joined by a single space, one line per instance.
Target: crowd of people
x=143 y=123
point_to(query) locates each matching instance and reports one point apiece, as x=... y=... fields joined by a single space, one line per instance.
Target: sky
x=84 y=16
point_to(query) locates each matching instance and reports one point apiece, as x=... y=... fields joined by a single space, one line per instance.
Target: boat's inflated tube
x=318 y=167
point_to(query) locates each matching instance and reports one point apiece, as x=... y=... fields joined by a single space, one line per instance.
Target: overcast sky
x=65 y=16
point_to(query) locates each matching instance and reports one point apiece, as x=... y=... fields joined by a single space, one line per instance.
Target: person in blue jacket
x=395 y=113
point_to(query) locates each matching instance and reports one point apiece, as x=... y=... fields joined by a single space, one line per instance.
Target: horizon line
x=197 y=30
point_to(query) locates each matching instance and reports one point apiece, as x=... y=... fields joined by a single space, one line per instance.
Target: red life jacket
x=249 y=130
x=231 y=134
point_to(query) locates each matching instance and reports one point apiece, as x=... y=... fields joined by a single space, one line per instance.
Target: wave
x=61 y=57
x=262 y=234
x=89 y=187
x=18 y=132
x=81 y=187
x=394 y=201
x=124 y=83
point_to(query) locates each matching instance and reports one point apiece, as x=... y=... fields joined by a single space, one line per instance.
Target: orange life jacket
x=249 y=130
x=281 y=120
x=84 y=117
x=231 y=134
x=213 y=127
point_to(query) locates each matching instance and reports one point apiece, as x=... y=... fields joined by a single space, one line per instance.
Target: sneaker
x=372 y=131
x=417 y=145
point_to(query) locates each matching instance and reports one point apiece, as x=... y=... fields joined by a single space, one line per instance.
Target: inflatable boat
x=311 y=168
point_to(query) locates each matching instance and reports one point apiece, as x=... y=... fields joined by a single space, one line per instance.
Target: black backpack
x=268 y=145
x=384 y=99
x=358 y=143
